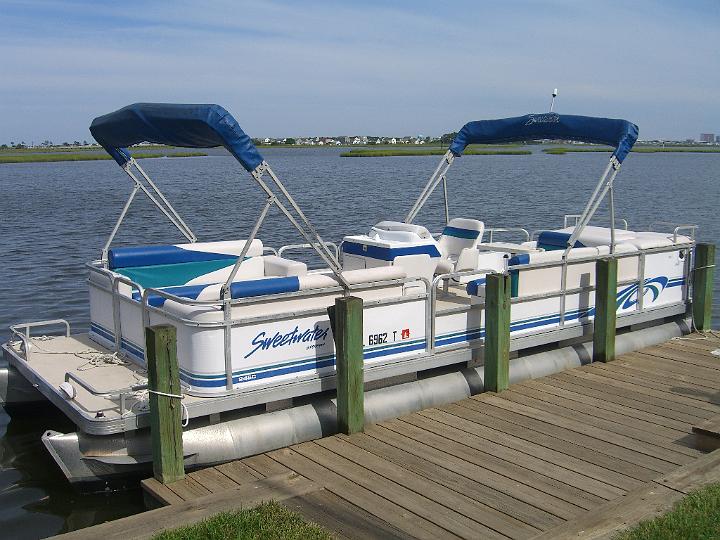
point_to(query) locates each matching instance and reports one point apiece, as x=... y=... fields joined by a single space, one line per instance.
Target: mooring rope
x=185 y=416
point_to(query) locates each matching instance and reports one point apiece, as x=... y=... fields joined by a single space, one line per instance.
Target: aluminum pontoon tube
x=15 y=389
x=88 y=458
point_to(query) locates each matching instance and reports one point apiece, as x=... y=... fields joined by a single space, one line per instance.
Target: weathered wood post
x=605 y=309
x=165 y=409
x=497 y=332
x=347 y=325
x=703 y=274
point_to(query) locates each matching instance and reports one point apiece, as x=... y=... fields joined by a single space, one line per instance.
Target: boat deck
x=551 y=455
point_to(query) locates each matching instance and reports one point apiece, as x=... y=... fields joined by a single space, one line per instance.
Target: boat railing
x=22 y=331
x=573 y=219
x=293 y=247
x=120 y=394
x=676 y=228
x=495 y=230
x=429 y=295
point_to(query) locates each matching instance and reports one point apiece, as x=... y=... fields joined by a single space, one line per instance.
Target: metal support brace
x=106 y=247
x=162 y=204
x=447 y=207
x=590 y=208
x=435 y=179
x=312 y=237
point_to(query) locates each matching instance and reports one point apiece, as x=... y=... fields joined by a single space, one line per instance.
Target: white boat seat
x=458 y=245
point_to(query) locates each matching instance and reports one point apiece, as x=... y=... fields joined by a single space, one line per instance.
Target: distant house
x=393 y=141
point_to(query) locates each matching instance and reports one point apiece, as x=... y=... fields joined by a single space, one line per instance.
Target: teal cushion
x=172 y=275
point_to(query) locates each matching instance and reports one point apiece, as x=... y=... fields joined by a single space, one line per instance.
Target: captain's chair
x=458 y=245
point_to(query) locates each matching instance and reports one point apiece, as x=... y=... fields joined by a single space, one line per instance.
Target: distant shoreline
x=42 y=157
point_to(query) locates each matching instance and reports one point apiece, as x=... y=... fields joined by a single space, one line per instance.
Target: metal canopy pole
x=226 y=287
x=594 y=201
x=162 y=197
x=447 y=207
x=435 y=179
x=612 y=219
x=300 y=213
x=590 y=209
x=320 y=248
x=119 y=221
x=186 y=232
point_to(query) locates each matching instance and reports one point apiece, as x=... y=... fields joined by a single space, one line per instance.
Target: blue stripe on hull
x=369 y=353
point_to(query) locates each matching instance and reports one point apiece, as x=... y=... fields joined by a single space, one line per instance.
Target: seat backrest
x=459 y=234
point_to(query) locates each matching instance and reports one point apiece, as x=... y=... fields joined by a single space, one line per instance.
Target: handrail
x=332 y=245
x=119 y=393
x=508 y=229
x=566 y=217
x=677 y=228
x=430 y=341
x=24 y=337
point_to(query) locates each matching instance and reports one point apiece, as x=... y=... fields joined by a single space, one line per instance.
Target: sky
x=373 y=67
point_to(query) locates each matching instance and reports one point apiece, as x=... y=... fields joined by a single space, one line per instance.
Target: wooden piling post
x=702 y=296
x=497 y=332
x=165 y=411
x=347 y=315
x=605 y=310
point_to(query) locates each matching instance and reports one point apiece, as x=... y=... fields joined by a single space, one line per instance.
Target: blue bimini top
x=189 y=126
x=620 y=134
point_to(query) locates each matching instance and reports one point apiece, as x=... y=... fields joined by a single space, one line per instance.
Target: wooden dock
x=576 y=454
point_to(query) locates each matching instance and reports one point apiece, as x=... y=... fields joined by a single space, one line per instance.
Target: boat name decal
x=548 y=118
x=317 y=334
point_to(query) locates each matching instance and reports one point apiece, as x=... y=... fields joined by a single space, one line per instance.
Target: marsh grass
x=269 y=521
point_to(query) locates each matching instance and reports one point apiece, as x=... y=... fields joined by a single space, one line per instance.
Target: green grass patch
x=638 y=149
x=431 y=152
x=86 y=156
x=269 y=521
x=696 y=516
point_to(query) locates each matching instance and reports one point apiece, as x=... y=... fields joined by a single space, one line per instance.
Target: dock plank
x=673 y=392
x=239 y=472
x=447 y=518
x=188 y=489
x=586 y=468
x=637 y=392
x=600 y=391
x=213 y=480
x=550 y=495
x=464 y=432
x=661 y=459
x=621 y=415
x=342 y=519
x=434 y=491
x=517 y=429
x=653 y=438
x=436 y=469
x=359 y=496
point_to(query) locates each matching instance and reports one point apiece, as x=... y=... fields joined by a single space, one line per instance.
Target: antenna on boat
x=552 y=103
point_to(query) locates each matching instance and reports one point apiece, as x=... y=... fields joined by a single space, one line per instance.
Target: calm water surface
x=56 y=216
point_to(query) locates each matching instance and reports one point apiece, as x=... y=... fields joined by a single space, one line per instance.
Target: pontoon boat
x=254 y=343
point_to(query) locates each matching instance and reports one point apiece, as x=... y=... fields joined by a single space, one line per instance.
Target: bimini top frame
x=619 y=134
x=197 y=126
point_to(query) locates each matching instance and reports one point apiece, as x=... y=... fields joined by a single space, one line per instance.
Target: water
x=56 y=216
